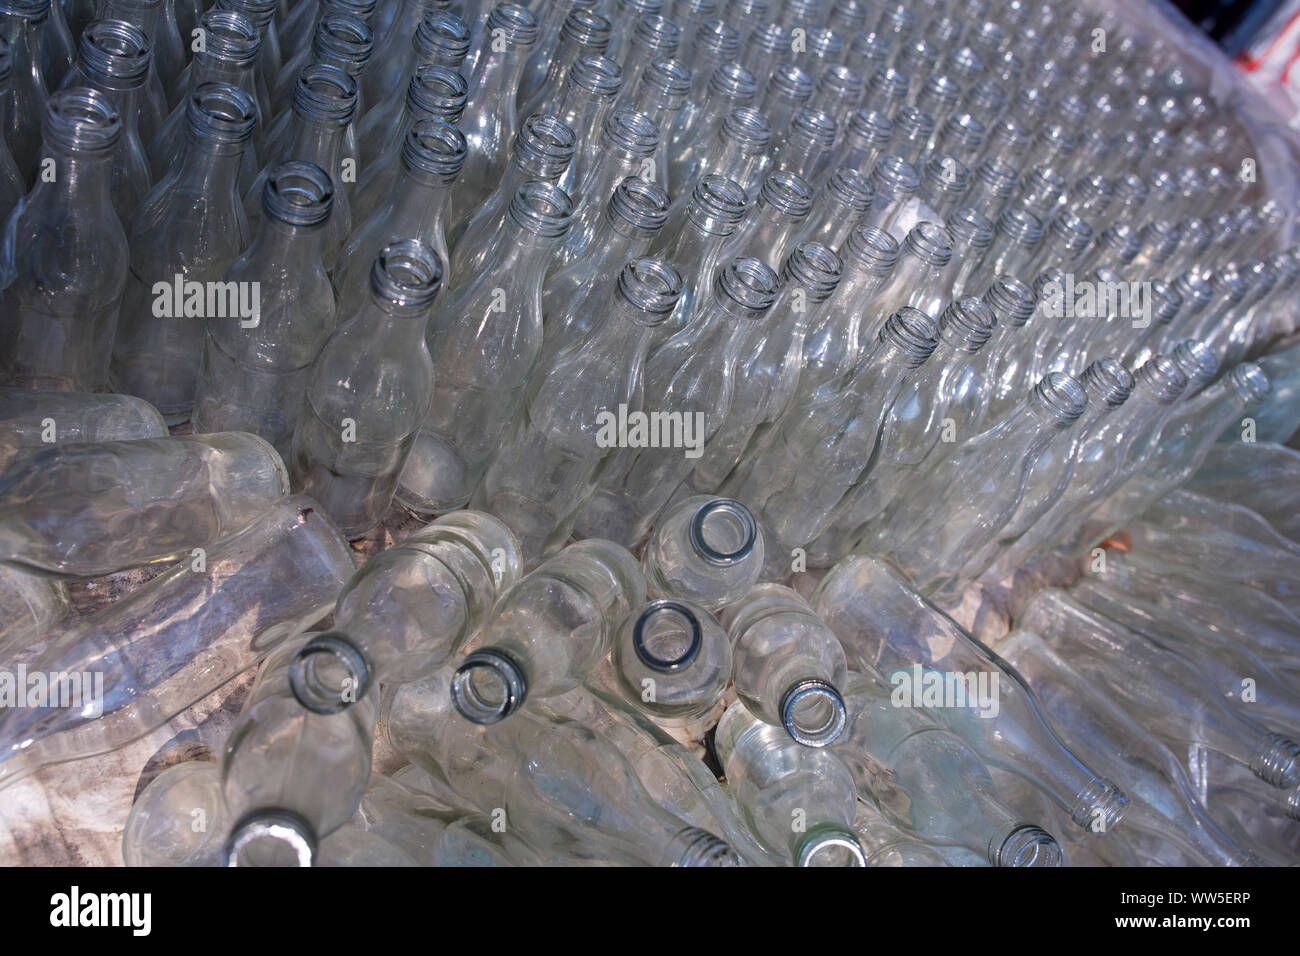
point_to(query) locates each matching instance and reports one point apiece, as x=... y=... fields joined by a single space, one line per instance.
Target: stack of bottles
x=724 y=349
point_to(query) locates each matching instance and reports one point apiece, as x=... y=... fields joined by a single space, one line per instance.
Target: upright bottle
x=547 y=462
x=706 y=550
x=22 y=23
x=568 y=31
x=438 y=38
x=12 y=183
x=486 y=342
x=254 y=371
x=489 y=123
x=432 y=155
x=65 y=256
x=368 y=391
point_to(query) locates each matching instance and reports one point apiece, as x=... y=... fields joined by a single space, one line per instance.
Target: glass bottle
x=435 y=92
x=368 y=390
x=883 y=624
x=693 y=375
x=323 y=104
x=33 y=418
x=840 y=203
x=920 y=280
x=776 y=217
x=432 y=155
x=567 y=31
x=152 y=836
x=1016 y=238
x=583 y=103
x=189 y=229
x=296 y=28
x=486 y=341
x=341 y=40
x=253 y=374
x=113 y=58
x=671 y=660
x=739 y=153
x=12 y=182
x=787 y=667
x=548 y=632
x=768 y=377
x=489 y=122
x=440 y=38
x=268 y=61
x=834 y=433
x=64 y=257
x=866 y=136
x=927 y=780
x=405 y=612
x=993 y=183
x=166 y=495
x=896 y=182
x=967 y=497
x=705 y=550
x=634 y=217
x=275 y=577
x=712 y=46
x=150 y=17
x=652 y=37
x=230 y=52
x=660 y=96
x=546 y=465
x=775 y=780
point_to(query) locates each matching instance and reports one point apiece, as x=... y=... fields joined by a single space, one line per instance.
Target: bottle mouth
x=770 y=37
x=1194 y=290
x=733 y=83
x=346 y=38
x=83 y=120
x=943 y=89
x=717 y=41
x=967 y=323
x=971 y=228
x=488 y=687
x=407 y=275
x=518 y=25
x=442 y=35
x=544 y=146
x=632 y=133
x=701 y=848
x=298 y=194
x=542 y=210
x=656 y=35
x=329 y=673
x=872 y=250
x=116 y=53
x=1099 y=806
x=914 y=123
x=1073 y=231
x=746 y=288
x=667 y=636
x=815 y=128
x=787 y=193
x=889 y=83
x=271 y=838
x=913 y=333
x=870 y=127
x=841 y=83
x=586 y=29
x=598 y=76
x=434 y=152
x=1028 y=846
x=362 y=9
x=1196 y=362
x=989 y=96
x=325 y=94
x=638 y=208
x=947 y=174
x=791 y=83
x=1161 y=375
x=1249 y=382
x=813 y=712
x=1010 y=299
x=1130 y=189
x=438 y=92
x=669 y=81
x=748 y=129
x=1060 y=399
x=815 y=268
x=1165 y=301
x=231 y=37
x=826 y=44
x=33 y=11
x=723 y=532
x=965 y=129
x=1108 y=380
x=651 y=285
x=850 y=188
x=830 y=846
x=895 y=177
x=717 y=205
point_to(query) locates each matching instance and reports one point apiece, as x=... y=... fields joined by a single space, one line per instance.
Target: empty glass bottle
x=32 y=418
x=705 y=550
x=546 y=465
x=368 y=391
x=188 y=793
x=22 y=24
x=698 y=128
x=62 y=510
x=187 y=232
x=408 y=610
x=799 y=802
x=275 y=577
x=787 y=666
x=774 y=219
x=486 y=342
x=568 y=31
x=64 y=257
x=254 y=370
x=547 y=633
x=440 y=38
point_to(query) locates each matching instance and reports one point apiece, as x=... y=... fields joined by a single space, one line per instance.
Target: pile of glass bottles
x=727 y=347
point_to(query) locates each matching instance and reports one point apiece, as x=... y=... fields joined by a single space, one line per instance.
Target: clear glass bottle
x=12 y=182
x=439 y=39
x=65 y=254
x=806 y=148
x=886 y=626
x=432 y=155
x=705 y=550
x=896 y=182
x=150 y=17
x=34 y=418
x=775 y=780
x=276 y=576
x=368 y=391
x=166 y=495
x=547 y=633
x=113 y=58
x=865 y=137
x=583 y=103
x=661 y=96
x=324 y=102
x=775 y=218
x=920 y=280
x=296 y=28
x=341 y=40
x=739 y=153
x=546 y=465
x=189 y=229
x=486 y=341
x=567 y=31
x=839 y=204
x=407 y=611
x=253 y=374
x=787 y=667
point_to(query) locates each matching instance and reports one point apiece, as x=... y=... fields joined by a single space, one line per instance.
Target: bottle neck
x=212 y=172
x=296 y=248
x=520 y=262
x=316 y=143
x=415 y=207
x=78 y=178
x=496 y=77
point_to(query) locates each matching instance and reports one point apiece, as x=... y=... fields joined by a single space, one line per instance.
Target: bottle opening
x=1028 y=846
x=329 y=674
x=830 y=846
x=813 y=713
x=667 y=636
x=271 y=838
x=723 y=531
x=488 y=687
